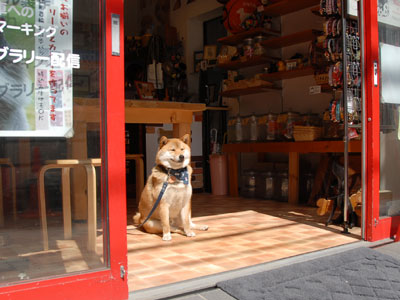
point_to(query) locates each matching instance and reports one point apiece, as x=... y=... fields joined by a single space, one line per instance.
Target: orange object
x=236 y=11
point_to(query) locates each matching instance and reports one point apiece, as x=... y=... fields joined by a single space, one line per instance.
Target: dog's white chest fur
x=180 y=195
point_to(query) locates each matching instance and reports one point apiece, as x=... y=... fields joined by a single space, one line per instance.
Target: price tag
x=315 y=89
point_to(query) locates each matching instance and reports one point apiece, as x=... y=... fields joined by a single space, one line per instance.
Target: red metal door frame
x=376 y=228
x=107 y=283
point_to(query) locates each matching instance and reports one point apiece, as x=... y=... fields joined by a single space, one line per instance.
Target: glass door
x=382 y=78
x=62 y=150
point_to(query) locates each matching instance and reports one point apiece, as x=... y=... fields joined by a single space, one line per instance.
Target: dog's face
x=174 y=153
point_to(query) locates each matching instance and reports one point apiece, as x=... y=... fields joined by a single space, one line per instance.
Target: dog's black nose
x=181 y=157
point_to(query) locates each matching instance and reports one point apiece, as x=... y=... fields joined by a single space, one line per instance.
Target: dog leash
x=179 y=174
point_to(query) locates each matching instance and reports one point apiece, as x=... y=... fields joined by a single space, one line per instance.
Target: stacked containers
x=249 y=184
x=253 y=128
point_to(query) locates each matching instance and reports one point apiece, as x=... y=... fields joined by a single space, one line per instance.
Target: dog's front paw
x=190 y=234
x=198 y=227
x=203 y=227
x=167 y=237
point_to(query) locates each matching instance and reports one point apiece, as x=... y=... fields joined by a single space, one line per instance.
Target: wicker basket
x=306 y=133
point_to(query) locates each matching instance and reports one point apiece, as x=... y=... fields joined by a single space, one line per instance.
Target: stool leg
x=42 y=209
x=139 y=178
x=14 y=191
x=91 y=188
x=66 y=200
x=1 y=201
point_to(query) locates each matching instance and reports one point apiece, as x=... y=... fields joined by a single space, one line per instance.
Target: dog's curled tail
x=136 y=218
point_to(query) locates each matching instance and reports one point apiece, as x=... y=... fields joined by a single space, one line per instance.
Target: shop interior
x=262 y=98
x=271 y=132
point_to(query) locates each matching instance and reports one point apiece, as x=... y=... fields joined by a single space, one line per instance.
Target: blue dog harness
x=179 y=174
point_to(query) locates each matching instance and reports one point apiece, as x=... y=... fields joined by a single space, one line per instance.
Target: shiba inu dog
x=173 y=214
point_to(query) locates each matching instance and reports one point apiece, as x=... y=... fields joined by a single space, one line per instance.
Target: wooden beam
x=294 y=177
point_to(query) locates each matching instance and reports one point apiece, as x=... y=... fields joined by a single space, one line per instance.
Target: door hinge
x=376 y=222
x=122 y=272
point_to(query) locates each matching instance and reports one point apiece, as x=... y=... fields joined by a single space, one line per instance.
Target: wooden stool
x=65 y=165
x=138 y=158
x=7 y=162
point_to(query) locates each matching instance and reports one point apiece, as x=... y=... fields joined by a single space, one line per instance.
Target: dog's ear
x=186 y=138
x=163 y=141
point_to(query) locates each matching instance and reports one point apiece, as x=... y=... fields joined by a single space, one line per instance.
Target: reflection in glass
x=51 y=203
x=389 y=37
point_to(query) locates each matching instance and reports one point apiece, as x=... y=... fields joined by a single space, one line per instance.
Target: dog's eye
x=182 y=149
x=173 y=150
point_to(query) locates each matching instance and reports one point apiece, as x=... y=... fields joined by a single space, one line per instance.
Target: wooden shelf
x=239 y=37
x=291 y=39
x=217 y=108
x=254 y=61
x=288 y=6
x=249 y=91
x=315 y=11
x=288 y=74
x=299 y=147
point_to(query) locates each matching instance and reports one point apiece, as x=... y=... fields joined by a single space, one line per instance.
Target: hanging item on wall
x=177 y=4
x=236 y=12
x=155 y=74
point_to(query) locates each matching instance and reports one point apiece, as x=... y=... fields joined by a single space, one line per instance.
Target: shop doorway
x=245 y=227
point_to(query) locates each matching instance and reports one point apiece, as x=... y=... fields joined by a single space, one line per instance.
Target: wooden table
x=87 y=117
x=294 y=149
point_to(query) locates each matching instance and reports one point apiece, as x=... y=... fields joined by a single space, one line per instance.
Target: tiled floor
x=243 y=232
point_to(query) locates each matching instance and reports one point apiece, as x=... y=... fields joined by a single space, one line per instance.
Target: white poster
x=36 y=66
x=389 y=12
x=390 y=75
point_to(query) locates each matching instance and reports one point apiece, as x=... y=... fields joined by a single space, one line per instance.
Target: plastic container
x=292 y=118
x=262 y=128
x=259 y=49
x=281 y=125
x=245 y=129
x=272 y=127
x=249 y=184
x=265 y=185
x=282 y=187
x=238 y=130
x=219 y=174
x=248 y=48
x=253 y=128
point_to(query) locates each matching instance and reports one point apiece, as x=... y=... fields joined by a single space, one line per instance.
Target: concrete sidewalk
x=205 y=288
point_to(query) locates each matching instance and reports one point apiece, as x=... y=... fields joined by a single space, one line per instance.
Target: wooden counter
x=292 y=148
x=87 y=116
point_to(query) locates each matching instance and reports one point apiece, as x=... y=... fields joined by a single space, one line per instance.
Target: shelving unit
x=288 y=6
x=288 y=74
x=249 y=91
x=254 y=61
x=291 y=39
x=237 y=38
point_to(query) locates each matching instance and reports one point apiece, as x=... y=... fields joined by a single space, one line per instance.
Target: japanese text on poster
x=36 y=65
